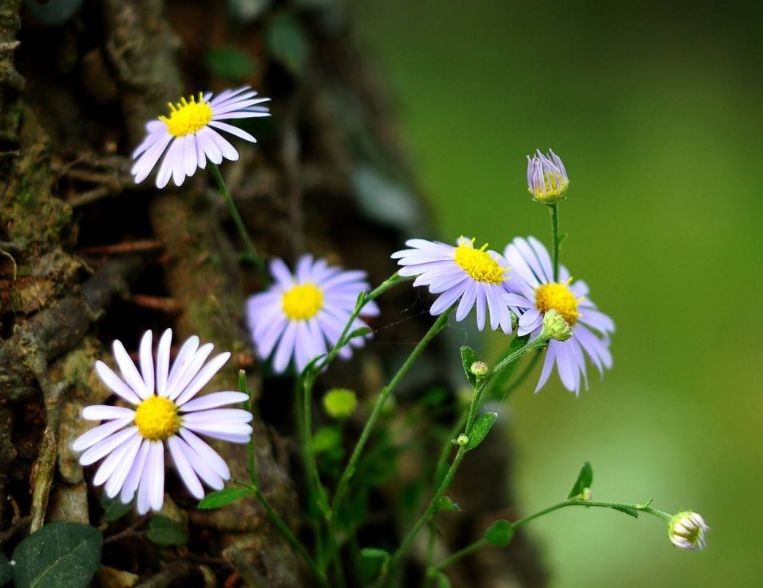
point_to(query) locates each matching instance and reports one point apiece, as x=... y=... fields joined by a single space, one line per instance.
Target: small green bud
x=462 y=440
x=555 y=327
x=340 y=403
x=479 y=369
x=586 y=494
x=687 y=529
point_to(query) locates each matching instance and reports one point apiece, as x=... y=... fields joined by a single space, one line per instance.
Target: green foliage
x=113 y=510
x=230 y=63
x=585 y=480
x=499 y=533
x=327 y=439
x=499 y=382
x=340 y=403
x=287 y=43
x=440 y=578
x=6 y=571
x=60 y=555
x=166 y=532
x=627 y=510
x=480 y=429
x=468 y=357
x=223 y=497
x=447 y=504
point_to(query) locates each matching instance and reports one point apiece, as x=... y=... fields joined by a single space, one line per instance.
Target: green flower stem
x=349 y=470
x=287 y=533
x=509 y=359
x=554 y=210
x=479 y=543
x=251 y=253
x=523 y=376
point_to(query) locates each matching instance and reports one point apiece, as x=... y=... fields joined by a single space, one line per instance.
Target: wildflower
x=191 y=132
x=535 y=293
x=476 y=277
x=303 y=314
x=687 y=529
x=132 y=440
x=546 y=177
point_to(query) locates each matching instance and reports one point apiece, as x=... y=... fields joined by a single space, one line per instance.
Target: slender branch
x=251 y=252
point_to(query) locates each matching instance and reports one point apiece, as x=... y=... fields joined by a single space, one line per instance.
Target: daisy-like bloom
x=191 y=132
x=166 y=413
x=547 y=179
x=535 y=292
x=302 y=315
x=687 y=531
x=476 y=277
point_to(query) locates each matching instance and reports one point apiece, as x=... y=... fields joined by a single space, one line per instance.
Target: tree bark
x=87 y=257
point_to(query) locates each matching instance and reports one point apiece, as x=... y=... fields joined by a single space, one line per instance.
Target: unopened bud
x=547 y=179
x=479 y=369
x=555 y=327
x=687 y=529
x=462 y=440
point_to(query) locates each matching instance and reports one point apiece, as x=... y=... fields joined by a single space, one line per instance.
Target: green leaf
x=585 y=479
x=59 y=555
x=480 y=429
x=166 y=532
x=374 y=553
x=286 y=41
x=116 y=510
x=230 y=63
x=6 y=571
x=627 y=510
x=223 y=497
x=441 y=579
x=499 y=533
x=447 y=504
x=468 y=357
x=359 y=332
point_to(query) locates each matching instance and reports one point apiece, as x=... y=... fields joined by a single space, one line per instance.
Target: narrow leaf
x=442 y=580
x=223 y=497
x=446 y=503
x=480 y=429
x=499 y=533
x=374 y=553
x=627 y=510
x=585 y=480
x=59 y=555
x=468 y=357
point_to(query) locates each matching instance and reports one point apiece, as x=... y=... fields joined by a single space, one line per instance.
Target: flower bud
x=340 y=403
x=479 y=369
x=462 y=440
x=555 y=327
x=687 y=529
x=546 y=177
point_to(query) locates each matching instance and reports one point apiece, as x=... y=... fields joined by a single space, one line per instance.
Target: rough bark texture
x=87 y=257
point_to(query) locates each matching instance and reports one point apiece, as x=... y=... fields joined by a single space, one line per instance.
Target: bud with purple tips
x=547 y=179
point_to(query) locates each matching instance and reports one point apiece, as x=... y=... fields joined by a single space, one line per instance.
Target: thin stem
x=251 y=252
x=521 y=377
x=509 y=359
x=289 y=536
x=349 y=469
x=554 y=209
x=479 y=543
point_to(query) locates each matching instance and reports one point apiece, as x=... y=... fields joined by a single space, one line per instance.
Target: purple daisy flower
x=302 y=315
x=131 y=442
x=547 y=179
x=191 y=132
x=476 y=277
x=534 y=292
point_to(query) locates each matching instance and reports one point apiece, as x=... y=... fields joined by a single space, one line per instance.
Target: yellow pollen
x=302 y=302
x=157 y=418
x=558 y=296
x=554 y=185
x=187 y=117
x=478 y=263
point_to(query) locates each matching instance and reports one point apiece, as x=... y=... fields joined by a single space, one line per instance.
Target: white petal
x=115 y=383
x=103 y=448
x=163 y=362
x=117 y=479
x=228 y=151
x=213 y=401
x=129 y=371
x=242 y=134
x=135 y=474
x=207 y=454
x=203 y=377
x=100 y=432
x=147 y=361
x=183 y=360
x=110 y=464
x=189 y=373
x=184 y=468
x=103 y=412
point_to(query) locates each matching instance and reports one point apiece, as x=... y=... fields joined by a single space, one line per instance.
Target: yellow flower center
x=302 y=302
x=157 y=418
x=558 y=296
x=554 y=185
x=187 y=117
x=478 y=263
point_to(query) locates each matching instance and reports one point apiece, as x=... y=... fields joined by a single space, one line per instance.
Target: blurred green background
x=656 y=111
